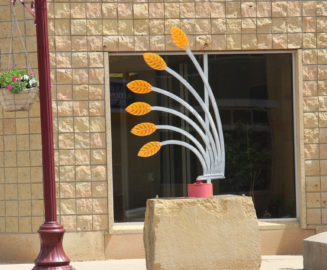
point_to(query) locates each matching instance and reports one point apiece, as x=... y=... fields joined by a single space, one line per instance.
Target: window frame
x=298 y=132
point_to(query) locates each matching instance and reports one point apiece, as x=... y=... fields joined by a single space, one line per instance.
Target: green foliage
x=246 y=158
x=17 y=80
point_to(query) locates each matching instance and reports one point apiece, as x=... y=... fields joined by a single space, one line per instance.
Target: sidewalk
x=268 y=263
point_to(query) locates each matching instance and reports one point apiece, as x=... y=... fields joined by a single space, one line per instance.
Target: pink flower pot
x=199 y=189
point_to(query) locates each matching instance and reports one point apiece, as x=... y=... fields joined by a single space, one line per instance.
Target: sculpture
x=211 y=151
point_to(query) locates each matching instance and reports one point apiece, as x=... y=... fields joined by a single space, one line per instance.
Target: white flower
x=32 y=82
x=26 y=77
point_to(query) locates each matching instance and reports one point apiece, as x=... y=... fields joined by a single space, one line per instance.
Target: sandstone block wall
x=80 y=33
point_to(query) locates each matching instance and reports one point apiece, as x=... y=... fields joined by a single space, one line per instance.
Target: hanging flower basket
x=18 y=89
x=18 y=86
x=17 y=102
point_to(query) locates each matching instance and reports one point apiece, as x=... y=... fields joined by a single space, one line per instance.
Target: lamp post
x=52 y=255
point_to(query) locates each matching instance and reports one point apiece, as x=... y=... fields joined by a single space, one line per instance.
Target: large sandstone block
x=214 y=233
x=314 y=252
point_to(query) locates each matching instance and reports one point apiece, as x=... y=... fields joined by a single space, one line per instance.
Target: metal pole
x=52 y=255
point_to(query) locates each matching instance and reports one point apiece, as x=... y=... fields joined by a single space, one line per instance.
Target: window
x=255 y=98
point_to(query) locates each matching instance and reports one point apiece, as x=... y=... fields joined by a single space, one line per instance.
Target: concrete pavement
x=268 y=263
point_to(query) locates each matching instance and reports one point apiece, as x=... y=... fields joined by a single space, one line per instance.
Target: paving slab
x=268 y=263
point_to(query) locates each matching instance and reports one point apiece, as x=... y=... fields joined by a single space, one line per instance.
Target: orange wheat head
x=139 y=87
x=138 y=108
x=144 y=129
x=154 y=61
x=179 y=38
x=149 y=149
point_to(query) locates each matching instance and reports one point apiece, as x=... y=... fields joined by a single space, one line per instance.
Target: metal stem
x=190 y=137
x=192 y=148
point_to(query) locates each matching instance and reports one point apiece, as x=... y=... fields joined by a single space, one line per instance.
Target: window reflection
x=254 y=94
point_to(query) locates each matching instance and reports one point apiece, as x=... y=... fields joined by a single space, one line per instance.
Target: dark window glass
x=254 y=94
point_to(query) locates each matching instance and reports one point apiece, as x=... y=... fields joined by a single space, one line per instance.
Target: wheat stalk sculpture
x=211 y=150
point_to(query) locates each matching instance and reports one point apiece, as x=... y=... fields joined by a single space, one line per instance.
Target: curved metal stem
x=191 y=137
x=202 y=104
x=213 y=101
x=185 y=118
x=190 y=147
x=197 y=116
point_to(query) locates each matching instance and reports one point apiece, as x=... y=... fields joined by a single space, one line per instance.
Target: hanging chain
x=10 y=37
x=30 y=10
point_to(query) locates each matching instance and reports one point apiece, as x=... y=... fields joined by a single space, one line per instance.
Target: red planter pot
x=200 y=189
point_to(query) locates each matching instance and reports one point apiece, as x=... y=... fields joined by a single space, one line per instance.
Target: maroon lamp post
x=52 y=255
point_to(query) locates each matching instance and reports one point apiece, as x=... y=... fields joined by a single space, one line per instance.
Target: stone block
x=69 y=222
x=279 y=9
x=249 y=25
x=313 y=216
x=217 y=10
x=279 y=25
x=125 y=11
x=171 y=10
x=98 y=140
x=141 y=27
x=234 y=42
x=311 y=151
x=202 y=9
x=140 y=10
x=98 y=156
x=182 y=233
x=314 y=250
x=249 y=9
x=84 y=223
x=78 y=10
x=78 y=43
x=78 y=27
x=156 y=10
x=82 y=140
x=312 y=167
x=313 y=200
x=94 y=43
x=294 y=9
x=234 y=26
x=67 y=206
x=99 y=189
x=233 y=10
x=309 y=24
x=93 y=10
x=82 y=157
x=100 y=222
x=109 y=10
x=84 y=206
x=249 y=42
x=22 y=126
x=83 y=189
x=67 y=190
x=81 y=124
x=94 y=27
x=264 y=25
x=83 y=173
x=100 y=206
x=98 y=173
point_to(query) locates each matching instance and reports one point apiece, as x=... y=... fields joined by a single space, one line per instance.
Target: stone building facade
x=82 y=34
